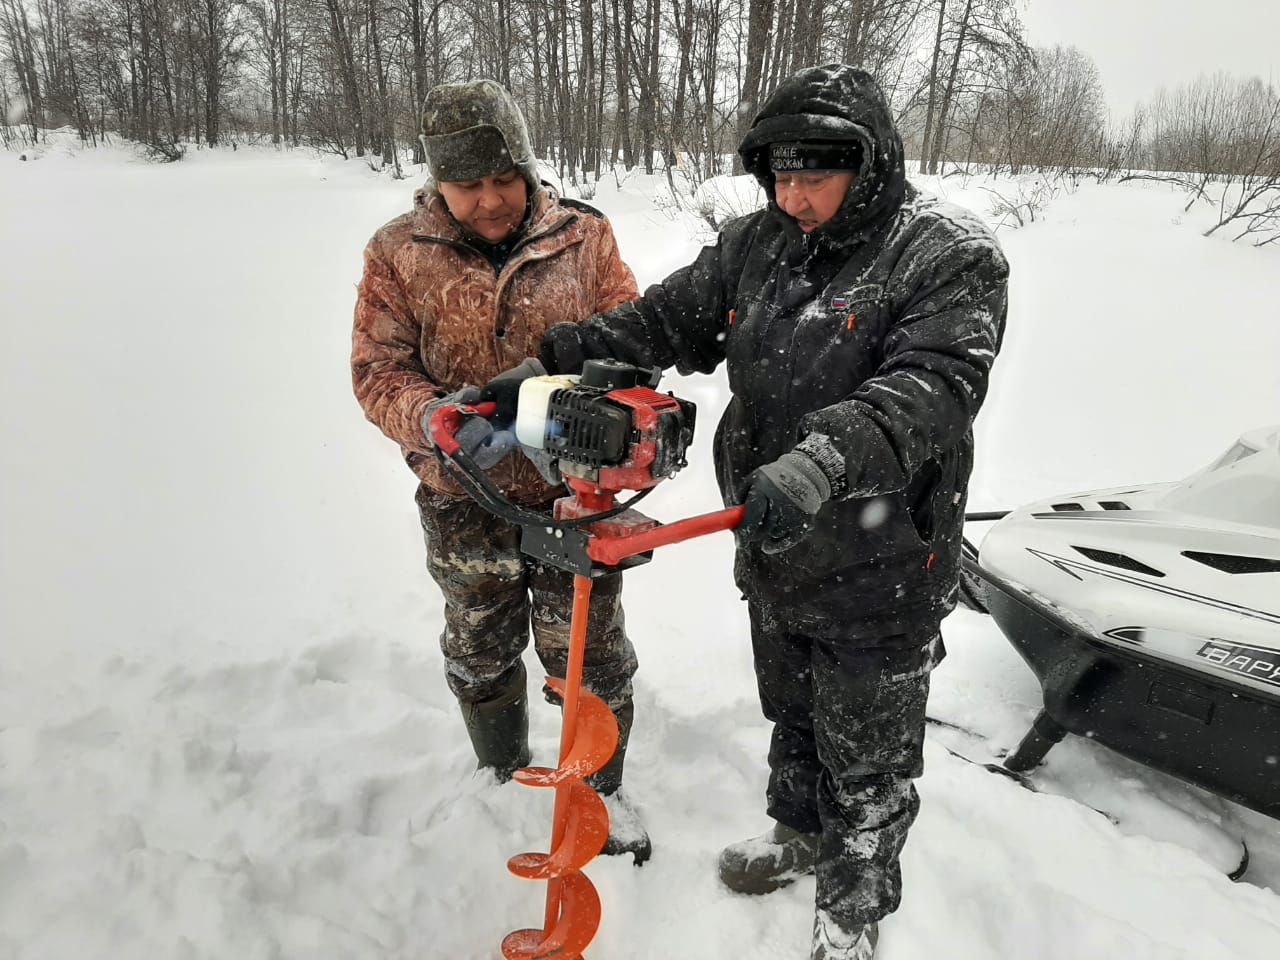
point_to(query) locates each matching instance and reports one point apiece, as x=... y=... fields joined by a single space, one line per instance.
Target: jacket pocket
x=919 y=499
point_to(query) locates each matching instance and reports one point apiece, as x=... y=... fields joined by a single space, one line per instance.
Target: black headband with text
x=799 y=157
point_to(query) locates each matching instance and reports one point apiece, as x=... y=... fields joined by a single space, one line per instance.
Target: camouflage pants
x=848 y=739
x=492 y=592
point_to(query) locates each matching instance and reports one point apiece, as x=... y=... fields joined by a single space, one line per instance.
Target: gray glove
x=486 y=446
x=461 y=397
x=548 y=464
x=781 y=500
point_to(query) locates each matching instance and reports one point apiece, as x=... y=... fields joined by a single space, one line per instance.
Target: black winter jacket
x=876 y=332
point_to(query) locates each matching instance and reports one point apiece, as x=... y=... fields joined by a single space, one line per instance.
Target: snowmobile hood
x=1188 y=571
x=834 y=102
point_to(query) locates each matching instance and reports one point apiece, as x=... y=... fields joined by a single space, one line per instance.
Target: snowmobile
x=1151 y=617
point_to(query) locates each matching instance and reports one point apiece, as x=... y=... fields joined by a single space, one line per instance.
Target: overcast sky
x=1141 y=45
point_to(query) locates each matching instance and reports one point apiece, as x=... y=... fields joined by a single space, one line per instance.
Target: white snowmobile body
x=1188 y=571
x=1151 y=616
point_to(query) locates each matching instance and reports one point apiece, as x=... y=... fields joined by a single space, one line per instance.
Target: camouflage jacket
x=433 y=315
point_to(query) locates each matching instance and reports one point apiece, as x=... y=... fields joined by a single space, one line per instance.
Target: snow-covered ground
x=224 y=727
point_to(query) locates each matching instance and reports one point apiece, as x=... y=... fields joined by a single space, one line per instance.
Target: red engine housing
x=624 y=439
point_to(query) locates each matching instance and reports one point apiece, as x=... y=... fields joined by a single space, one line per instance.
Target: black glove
x=564 y=348
x=781 y=500
x=504 y=390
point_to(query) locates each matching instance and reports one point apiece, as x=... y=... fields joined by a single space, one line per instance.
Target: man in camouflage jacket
x=858 y=321
x=453 y=294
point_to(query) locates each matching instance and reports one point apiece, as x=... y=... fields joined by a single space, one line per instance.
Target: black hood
x=834 y=102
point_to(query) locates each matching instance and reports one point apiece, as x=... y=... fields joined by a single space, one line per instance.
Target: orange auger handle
x=611 y=551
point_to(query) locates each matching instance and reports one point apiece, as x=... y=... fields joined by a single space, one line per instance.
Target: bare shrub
x=1024 y=205
x=1222 y=133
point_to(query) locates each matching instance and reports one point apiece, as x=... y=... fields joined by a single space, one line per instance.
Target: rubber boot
x=770 y=861
x=499 y=728
x=833 y=942
x=626 y=830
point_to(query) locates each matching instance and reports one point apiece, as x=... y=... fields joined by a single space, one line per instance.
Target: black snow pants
x=492 y=593
x=848 y=739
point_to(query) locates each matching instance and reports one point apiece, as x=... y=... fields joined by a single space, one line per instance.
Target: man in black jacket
x=859 y=322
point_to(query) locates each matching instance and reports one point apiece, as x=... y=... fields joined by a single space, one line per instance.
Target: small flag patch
x=839 y=303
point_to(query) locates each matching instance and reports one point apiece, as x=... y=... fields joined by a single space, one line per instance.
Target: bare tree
x=342 y=43
x=15 y=28
x=1044 y=110
x=759 y=24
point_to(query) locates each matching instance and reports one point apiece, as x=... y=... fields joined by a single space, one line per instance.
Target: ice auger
x=605 y=432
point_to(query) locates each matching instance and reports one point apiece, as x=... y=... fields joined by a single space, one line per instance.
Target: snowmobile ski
x=977 y=742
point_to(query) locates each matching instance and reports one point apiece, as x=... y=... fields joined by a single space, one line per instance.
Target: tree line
x=636 y=83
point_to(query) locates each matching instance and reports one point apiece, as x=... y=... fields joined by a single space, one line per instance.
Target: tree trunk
x=760 y=19
x=684 y=42
x=586 y=74
x=603 y=88
x=418 y=80
x=212 y=72
x=166 y=85
x=22 y=50
x=539 y=120
x=347 y=71
x=781 y=59
x=709 y=73
x=622 y=28
x=933 y=86
x=648 y=106
x=940 y=135
x=282 y=75
x=389 y=153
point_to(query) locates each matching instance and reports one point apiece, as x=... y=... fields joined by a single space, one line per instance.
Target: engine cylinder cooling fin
x=581 y=429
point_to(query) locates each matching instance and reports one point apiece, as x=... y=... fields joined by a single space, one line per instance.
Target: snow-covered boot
x=499 y=728
x=770 y=861
x=832 y=942
x=626 y=830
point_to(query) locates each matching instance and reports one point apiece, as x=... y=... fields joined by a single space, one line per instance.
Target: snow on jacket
x=433 y=315
x=876 y=333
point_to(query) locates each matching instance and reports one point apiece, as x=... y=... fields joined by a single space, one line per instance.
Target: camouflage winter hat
x=473 y=130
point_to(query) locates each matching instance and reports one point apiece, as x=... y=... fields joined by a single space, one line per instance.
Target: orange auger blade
x=585 y=832
x=595 y=739
x=579 y=919
x=588 y=739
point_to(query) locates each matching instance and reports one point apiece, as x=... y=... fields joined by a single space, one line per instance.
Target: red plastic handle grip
x=446 y=421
